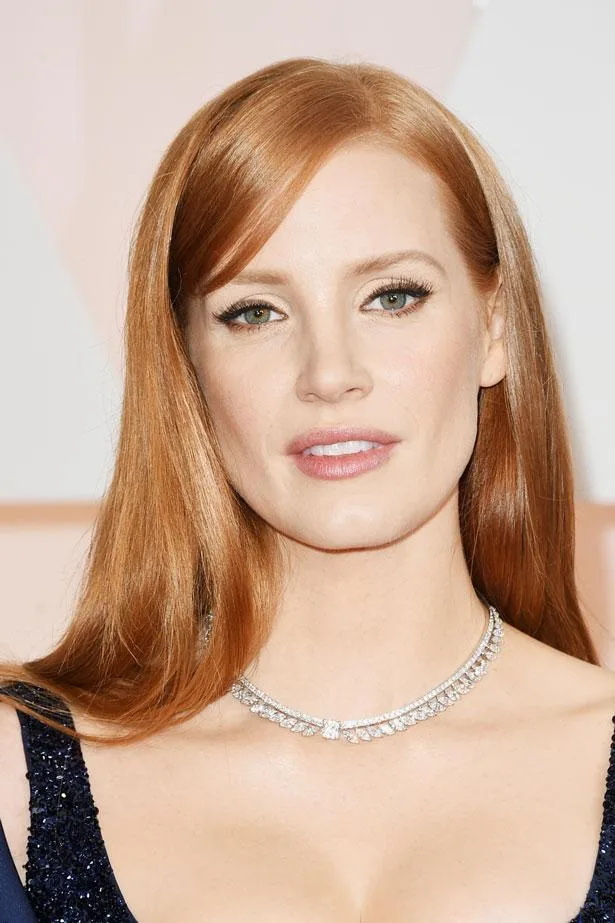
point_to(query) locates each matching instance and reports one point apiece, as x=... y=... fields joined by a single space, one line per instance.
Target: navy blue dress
x=69 y=878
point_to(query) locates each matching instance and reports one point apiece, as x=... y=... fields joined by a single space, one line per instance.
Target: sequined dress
x=69 y=878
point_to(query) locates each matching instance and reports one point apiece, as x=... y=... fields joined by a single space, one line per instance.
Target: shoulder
x=14 y=787
x=546 y=683
x=534 y=686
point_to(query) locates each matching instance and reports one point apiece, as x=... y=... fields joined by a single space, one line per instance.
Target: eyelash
x=420 y=290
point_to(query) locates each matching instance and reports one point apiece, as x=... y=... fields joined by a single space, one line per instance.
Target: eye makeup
x=417 y=289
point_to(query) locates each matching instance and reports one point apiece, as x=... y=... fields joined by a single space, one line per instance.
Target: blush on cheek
x=441 y=366
x=450 y=408
x=239 y=430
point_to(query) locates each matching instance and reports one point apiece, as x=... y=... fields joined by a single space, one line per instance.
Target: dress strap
x=68 y=873
x=609 y=795
x=600 y=901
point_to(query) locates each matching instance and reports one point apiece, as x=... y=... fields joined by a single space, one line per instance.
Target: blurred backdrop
x=91 y=94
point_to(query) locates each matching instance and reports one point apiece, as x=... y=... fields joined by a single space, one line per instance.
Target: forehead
x=364 y=200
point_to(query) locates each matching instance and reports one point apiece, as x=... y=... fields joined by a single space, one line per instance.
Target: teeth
x=341 y=448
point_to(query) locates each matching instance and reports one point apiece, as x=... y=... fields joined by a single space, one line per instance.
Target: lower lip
x=331 y=467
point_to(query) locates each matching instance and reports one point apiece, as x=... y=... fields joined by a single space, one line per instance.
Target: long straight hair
x=172 y=539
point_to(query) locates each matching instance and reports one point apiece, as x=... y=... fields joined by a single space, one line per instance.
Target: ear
x=494 y=355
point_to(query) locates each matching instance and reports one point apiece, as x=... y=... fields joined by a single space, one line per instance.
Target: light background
x=91 y=94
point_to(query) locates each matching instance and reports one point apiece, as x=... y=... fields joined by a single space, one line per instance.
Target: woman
x=343 y=478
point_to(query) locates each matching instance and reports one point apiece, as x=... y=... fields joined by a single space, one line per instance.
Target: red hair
x=172 y=537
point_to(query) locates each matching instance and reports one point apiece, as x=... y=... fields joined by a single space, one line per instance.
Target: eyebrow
x=359 y=268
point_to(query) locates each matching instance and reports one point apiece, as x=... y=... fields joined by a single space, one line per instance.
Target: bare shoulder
x=14 y=787
x=566 y=684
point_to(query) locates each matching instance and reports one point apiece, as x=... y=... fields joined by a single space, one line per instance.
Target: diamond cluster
x=366 y=729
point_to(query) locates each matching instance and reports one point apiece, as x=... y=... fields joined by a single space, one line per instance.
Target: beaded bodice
x=69 y=878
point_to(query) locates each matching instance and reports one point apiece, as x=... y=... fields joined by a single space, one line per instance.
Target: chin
x=351 y=534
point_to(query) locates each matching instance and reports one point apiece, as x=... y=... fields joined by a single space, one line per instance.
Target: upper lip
x=338 y=434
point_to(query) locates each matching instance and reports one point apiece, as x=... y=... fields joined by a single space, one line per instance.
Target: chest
x=500 y=830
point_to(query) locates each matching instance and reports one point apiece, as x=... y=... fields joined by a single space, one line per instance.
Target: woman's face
x=322 y=349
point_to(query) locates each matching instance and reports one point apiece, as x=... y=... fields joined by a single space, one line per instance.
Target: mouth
x=343 y=452
x=349 y=447
x=340 y=440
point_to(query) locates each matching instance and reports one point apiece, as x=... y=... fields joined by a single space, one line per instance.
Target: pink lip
x=338 y=434
x=332 y=467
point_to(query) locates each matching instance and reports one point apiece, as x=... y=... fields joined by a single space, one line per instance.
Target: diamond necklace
x=432 y=703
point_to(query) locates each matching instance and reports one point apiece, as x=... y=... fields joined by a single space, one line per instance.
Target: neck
x=366 y=631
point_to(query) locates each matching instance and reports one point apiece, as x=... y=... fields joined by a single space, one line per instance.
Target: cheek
x=241 y=406
x=435 y=385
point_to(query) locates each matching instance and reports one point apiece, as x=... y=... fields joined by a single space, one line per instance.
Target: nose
x=331 y=364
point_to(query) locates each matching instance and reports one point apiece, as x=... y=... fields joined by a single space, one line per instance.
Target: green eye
x=256 y=310
x=393 y=299
x=395 y=296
